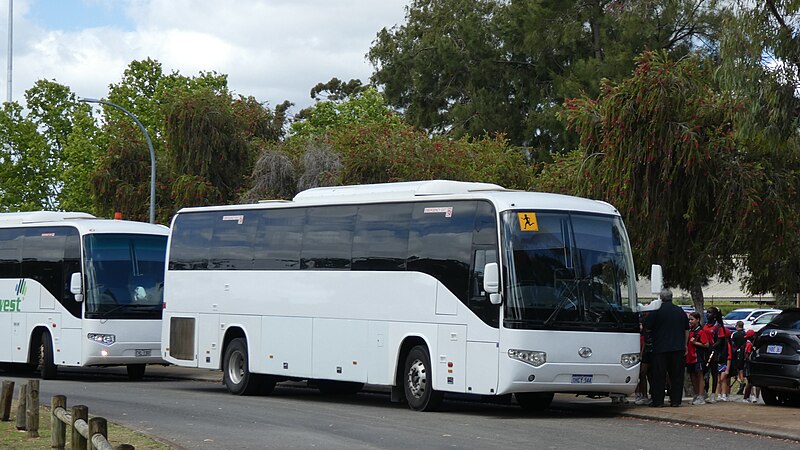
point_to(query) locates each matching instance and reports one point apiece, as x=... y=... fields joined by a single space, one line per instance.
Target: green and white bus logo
x=21 y=288
x=12 y=304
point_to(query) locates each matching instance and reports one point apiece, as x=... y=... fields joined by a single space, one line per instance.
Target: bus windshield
x=568 y=270
x=124 y=275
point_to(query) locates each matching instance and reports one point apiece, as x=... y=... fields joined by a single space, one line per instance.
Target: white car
x=759 y=323
x=746 y=315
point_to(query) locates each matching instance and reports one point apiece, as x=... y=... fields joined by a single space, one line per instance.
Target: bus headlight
x=531 y=357
x=629 y=360
x=104 y=339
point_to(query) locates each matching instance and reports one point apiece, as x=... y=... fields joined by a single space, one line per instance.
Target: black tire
x=236 y=370
x=46 y=366
x=135 y=371
x=418 y=381
x=774 y=398
x=534 y=401
x=332 y=387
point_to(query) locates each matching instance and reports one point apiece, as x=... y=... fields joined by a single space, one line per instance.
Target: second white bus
x=80 y=291
x=428 y=287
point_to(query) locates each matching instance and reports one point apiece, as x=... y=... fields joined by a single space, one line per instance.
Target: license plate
x=775 y=349
x=143 y=352
x=582 y=379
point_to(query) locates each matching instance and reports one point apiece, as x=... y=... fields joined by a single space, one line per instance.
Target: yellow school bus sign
x=527 y=221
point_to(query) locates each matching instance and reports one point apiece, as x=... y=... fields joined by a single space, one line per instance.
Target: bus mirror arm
x=76 y=286
x=491 y=283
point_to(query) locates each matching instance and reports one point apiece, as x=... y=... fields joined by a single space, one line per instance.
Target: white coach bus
x=80 y=291
x=429 y=287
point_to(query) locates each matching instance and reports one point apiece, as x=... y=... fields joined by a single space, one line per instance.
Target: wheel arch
x=406 y=345
x=35 y=340
x=231 y=333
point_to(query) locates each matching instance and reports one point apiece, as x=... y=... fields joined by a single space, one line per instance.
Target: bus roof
x=84 y=222
x=434 y=190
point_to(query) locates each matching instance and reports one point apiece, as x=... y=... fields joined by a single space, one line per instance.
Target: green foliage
x=206 y=142
x=365 y=107
x=560 y=175
x=469 y=67
x=667 y=158
x=37 y=171
x=761 y=64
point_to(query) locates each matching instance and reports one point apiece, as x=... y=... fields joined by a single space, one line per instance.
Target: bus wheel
x=236 y=369
x=534 y=401
x=418 y=381
x=135 y=371
x=46 y=367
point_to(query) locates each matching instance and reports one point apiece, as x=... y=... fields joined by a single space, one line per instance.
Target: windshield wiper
x=107 y=313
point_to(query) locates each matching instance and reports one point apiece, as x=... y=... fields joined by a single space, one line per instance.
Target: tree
x=207 y=148
x=37 y=169
x=469 y=67
x=661 y=146
x=761 y=64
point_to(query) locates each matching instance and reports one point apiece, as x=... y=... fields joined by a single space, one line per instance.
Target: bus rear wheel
x=46 y=366
x=236 y=370
x=534 y=401
x=135 y=371
x=418 y=381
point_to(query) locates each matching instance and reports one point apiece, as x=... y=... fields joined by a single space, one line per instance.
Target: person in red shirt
x=696 y=350
x=719 y=361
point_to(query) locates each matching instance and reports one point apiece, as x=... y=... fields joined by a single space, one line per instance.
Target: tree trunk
x=696 y=291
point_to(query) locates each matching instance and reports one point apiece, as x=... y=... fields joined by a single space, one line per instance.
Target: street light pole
x=149 y=146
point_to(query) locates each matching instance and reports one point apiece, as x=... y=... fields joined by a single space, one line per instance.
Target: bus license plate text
x=581 y=379
x=142 y=352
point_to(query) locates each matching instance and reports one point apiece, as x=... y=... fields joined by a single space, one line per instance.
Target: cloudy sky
x=274 y=50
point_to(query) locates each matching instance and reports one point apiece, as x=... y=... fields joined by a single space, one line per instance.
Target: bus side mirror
x=656 y=279
x=491 y=283
x=76 y=286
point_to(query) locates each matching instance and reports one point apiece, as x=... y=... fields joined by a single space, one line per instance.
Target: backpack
x=738 y=342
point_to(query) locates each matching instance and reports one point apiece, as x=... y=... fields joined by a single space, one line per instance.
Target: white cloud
x=273 y=50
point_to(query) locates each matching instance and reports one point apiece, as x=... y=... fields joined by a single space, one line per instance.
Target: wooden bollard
x=97 y=425
x=5 y=400
x=32 y=409
x=58 y=439
x=78 y=442
x=23 y=400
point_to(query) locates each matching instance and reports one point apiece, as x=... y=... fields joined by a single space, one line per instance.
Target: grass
x=10 y=437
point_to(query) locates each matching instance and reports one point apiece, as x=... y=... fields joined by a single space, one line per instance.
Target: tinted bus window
x=10 y=251
x=381 y=237
x=278 y=238
x=231 y=242
x=43 y=252
x=191 y=239
x=440 y=243
x=328 y=237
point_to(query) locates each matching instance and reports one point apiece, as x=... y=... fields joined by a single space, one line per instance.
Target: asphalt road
x=202 y=415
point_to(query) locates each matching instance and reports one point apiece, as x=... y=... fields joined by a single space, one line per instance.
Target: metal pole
x=10 y=45
x=149 y=146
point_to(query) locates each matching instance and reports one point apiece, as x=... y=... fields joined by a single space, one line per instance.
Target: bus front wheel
x=418 y=381
x=46 y=367
x=236 y=369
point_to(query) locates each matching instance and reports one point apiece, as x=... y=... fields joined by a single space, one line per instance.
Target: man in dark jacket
x=669 y=327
